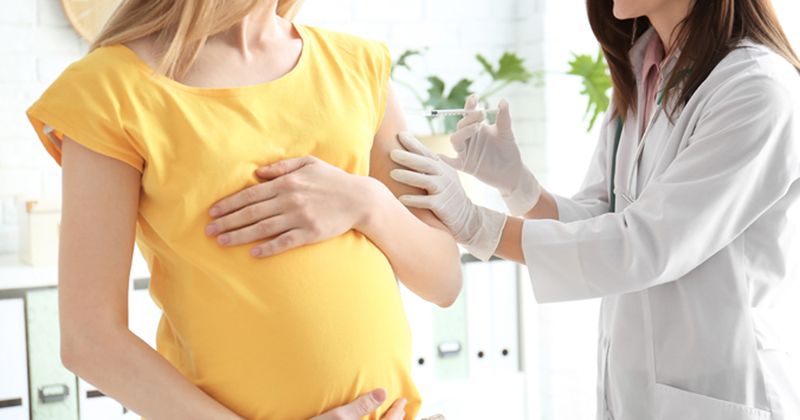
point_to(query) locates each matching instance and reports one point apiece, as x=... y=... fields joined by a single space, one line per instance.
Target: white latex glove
x=490 y=153
x=477 y=228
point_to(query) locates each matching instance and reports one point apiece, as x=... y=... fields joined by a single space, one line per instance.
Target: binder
x=94 y=405
x=14 y=404
x=505 y=316
x=53 y=388
x=450 y=339
x=420 y=319
x=478 y=291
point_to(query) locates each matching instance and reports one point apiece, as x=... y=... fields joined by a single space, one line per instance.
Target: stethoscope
x=629 y=194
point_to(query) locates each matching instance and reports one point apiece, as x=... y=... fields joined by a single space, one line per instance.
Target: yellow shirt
x=286 y=337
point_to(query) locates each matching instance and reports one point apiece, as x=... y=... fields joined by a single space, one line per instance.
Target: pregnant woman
x=181 y=104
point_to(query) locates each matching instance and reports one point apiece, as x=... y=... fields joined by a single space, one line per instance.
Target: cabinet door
x=143 y=313
x=14 y=404
x=420 y=320
x=53 y=388
x=450 y=340
x=94 y=405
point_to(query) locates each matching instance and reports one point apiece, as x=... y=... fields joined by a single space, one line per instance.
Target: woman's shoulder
x=100 y=81
x=753 y=60
x=348 y=46
x=751 y=67
x=103 y=64
x=105 y=74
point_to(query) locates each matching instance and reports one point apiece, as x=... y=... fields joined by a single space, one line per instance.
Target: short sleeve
x=85 y=104
x=381 y=71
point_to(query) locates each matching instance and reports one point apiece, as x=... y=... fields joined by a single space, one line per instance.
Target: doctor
x=688 y=222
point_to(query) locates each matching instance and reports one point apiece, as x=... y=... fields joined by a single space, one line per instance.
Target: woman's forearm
x=125 y=368
x=424 y=257
x=510 y=246
x=545 y=208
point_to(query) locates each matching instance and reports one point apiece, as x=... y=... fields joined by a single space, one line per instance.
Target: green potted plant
x=510 y=69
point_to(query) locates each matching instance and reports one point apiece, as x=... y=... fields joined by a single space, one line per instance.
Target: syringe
x=434 y=113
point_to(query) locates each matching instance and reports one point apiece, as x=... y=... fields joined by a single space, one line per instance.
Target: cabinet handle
x=13 y=402
x=141 y=283
x=53 y=393
x=94 y=394
x=449 y=348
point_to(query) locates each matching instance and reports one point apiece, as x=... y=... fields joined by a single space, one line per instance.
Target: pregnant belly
x=292 y=336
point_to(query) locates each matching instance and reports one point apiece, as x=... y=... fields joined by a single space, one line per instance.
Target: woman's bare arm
x=306 y=200
x=545 y=208
x=100 y=201
x=422 y=252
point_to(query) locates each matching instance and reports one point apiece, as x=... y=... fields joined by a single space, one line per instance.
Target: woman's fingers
x=415 y=179
x=263 y=229
x=243 y=198
x=284 y=167
x=471 y=117
x=417 y=201
x=455 y=163
x=291 y=239
x=359 y=408
x=504 y=119
x=243 y=217
x=415 y=162
x=460 y=138
x=410 y=143
x=397 y=411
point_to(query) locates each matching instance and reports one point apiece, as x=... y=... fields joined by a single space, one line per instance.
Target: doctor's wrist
x=524 y=196
x=486 y=237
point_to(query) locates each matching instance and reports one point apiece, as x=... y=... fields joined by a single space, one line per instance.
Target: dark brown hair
x=711 y=30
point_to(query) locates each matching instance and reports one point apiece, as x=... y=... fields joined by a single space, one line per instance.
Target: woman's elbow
x=454 y=284
x=80 y=348
x=72 y=356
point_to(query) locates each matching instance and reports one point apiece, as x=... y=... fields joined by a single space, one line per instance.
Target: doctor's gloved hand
x=364 y=406
x=490 y=153
x=477 y=228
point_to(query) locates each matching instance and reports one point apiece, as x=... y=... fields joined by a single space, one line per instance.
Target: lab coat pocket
x=672 y=403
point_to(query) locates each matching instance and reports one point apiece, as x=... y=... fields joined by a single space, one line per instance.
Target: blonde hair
x=182 y=26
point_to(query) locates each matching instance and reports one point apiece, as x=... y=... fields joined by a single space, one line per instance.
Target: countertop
x=15 y=274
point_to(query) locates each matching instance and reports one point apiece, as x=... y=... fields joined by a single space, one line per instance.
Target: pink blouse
x=653 y=63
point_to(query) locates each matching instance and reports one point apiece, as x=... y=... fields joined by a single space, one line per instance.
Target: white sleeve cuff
x=553 y=261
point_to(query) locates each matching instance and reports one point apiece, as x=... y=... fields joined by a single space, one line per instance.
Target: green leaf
x=456 y=99
x=596 y=81
x=512 y=69
x=436 y=96
x=487 y=66
x=402 y=61
x=459 y=93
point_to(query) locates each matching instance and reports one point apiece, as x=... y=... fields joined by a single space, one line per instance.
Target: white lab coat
x=690 y=271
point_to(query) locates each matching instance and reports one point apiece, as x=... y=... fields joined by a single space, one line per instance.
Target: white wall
x=38 y=44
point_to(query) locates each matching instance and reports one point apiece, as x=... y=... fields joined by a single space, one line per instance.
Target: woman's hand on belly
x=303 y=201
x=364 y=406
